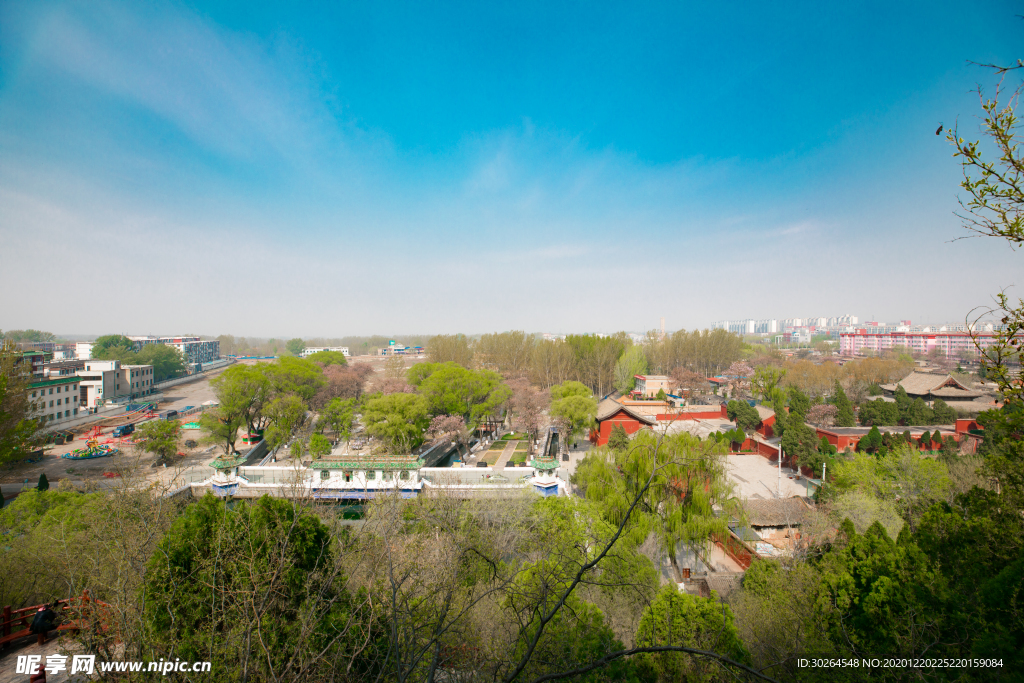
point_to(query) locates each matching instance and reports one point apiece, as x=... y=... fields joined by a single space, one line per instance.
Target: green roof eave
x=346 y=465
x=222 y=463
x=544 y=464
x=52 y=382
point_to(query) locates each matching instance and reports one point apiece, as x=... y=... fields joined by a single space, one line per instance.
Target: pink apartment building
x=950 y=344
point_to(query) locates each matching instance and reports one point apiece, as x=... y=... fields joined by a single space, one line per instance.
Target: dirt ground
x=103 y=471
x=15 y=475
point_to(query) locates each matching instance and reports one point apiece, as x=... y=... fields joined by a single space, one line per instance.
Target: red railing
x=16 y=622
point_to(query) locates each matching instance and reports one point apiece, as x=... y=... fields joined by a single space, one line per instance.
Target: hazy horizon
x=288 y=171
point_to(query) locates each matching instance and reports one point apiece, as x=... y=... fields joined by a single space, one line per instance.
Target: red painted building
x=611 y=413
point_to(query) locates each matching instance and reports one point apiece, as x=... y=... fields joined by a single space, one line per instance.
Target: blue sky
x=318 y=170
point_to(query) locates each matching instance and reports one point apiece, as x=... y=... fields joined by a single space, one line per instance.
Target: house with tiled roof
x=931 y=387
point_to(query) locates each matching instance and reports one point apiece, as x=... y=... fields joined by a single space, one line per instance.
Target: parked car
x=123 y=430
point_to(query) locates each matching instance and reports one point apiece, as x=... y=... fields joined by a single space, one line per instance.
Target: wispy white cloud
x=287 y=218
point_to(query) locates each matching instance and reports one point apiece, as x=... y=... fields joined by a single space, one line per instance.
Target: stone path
x=504 y=455
x=53 y=646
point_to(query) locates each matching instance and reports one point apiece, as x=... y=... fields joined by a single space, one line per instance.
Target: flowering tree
x=394 y=385
x=445 y=427
x=692 y=383
x=740 y=373
x=527 y=406
x=823 y=415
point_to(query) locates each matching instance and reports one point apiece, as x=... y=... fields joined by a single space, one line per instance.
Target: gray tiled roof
x=924 y=383
x=776 y=511
x=608 y=407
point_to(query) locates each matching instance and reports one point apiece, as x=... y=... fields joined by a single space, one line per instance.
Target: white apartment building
x=55 y=399
x=194 y=350
x=310 y=350
x=107 y=381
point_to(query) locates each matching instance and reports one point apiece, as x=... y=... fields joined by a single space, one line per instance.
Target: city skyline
x=319 y=172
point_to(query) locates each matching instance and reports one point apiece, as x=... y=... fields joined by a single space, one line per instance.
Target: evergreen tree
x=903 y=404
x=845 y=417
x=871 y=442
x=919 y=414
x=942 y=413
x=44 y=484
x=879 y=412
x=619 y=439
x=798 y=402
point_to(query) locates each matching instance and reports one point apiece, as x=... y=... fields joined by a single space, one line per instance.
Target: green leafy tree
x=297 y=376
x=17 y=426
x=450 y=348
x=398 y=420
x=950 y=449
x=284 y=414
x=570 y=388
x=943 y=414
x=661 y=395
x=879 y=412
x=339 y=416
x=574 y=409
x=295 y=346
x=167 y=361
x=871 y=442
x=29 y=335
x=595 y=358
x=869 y=580
x=801 y=443
x=766 y=378
x=632 y=363
x=319 y=446
x=243 y=392
x=105 y=344
x=919 y=414
x=222 y=427
x=326 y=358
x=159 y=437
x=845 y=416
x=253 y=587
x=744 y=415
x=681 y=619
x=680 y=481
x=453 y=390
x=798 y=402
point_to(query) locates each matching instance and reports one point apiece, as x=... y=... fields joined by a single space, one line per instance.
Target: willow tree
x=681 y=479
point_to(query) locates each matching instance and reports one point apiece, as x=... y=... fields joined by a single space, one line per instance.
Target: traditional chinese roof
x=609 y=407
x=925 y=383
x=368 y=462
x=545 y=464
x=776 y=511
x=226 y=461
x=764 y=412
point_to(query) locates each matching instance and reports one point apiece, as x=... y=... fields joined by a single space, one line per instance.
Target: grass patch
x=497 y=446
x=513 y=437
x=518 y=459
